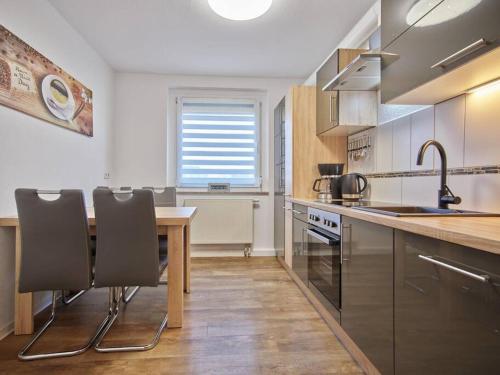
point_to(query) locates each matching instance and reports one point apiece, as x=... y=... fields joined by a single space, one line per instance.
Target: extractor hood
x=362 y=74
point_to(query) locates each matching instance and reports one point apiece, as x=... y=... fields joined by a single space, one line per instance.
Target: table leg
x=175 y=275
x=187 y=258
x=23 y=315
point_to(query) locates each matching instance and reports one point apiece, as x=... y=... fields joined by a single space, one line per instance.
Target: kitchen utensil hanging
x=359 y=148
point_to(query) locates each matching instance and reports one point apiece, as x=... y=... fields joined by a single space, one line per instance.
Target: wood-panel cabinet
x=304 y=150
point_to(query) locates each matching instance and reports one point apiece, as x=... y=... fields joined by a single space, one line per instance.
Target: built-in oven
x=324 y=258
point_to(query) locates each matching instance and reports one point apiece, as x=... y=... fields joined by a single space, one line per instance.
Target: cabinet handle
x=430 y=259
x=342 y=259
x=331 y=108
x=298 y=212
x=304 y=244
x=461 y=54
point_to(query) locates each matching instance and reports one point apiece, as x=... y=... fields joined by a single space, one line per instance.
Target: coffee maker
x=328 y=186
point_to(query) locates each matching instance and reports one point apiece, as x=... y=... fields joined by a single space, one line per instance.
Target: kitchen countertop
x=481 y=233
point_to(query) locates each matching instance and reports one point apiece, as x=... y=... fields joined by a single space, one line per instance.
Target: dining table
x=175 y=222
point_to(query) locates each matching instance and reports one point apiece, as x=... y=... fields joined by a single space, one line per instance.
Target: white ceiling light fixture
x=240 y=10
x=444 y=12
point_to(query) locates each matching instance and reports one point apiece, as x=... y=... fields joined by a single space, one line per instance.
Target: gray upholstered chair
x=127 y=252
x=163 y=197
x=55 y=252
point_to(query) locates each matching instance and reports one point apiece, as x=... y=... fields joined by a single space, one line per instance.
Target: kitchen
x=358 y=231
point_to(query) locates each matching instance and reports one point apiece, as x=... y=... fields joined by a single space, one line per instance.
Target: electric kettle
x=352 y=185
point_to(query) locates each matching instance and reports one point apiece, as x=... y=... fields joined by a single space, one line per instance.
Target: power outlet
x=107 y=176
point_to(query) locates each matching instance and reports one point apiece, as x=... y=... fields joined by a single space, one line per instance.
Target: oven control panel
x=328 y=221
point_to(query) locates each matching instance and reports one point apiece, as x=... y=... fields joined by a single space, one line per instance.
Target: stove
x=355 y=203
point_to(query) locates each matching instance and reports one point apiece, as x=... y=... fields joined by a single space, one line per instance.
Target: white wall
x=145 y=139
x=467 y=127
x=34 y=153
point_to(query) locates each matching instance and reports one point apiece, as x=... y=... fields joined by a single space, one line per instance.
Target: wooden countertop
x=481 y=233
x=164 y=216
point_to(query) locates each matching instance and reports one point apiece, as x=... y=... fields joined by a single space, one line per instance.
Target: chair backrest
x=127 y=240
x=55 y=243
x=163 y=197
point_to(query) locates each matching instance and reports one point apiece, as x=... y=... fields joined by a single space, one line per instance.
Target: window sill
x=234 y=191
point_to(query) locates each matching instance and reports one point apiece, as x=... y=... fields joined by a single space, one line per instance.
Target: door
x=367 y=290
x=446 y=321
x=299 y=249
x=428 y=42
x=279 y=179
x=326 y=101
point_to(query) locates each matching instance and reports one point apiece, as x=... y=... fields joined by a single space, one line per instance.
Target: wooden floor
x=243 y=316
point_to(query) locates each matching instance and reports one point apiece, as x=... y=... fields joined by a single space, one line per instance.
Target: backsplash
x=468 y=127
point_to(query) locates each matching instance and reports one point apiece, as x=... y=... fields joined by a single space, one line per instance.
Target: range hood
x=362 y=74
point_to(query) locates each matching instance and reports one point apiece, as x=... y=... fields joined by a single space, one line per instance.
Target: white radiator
x=222 y=221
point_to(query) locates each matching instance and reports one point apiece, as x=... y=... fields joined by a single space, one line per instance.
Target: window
x=218 y=141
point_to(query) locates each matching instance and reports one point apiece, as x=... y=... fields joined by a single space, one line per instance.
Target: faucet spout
x=445 y=196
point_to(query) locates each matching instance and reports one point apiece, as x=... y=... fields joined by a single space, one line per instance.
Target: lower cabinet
x=447 y=308
x=367 y=290
x=299 y=249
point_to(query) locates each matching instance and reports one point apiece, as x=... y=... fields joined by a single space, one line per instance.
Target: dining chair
x=55 y=253
x=163 y=197
x=127 y=253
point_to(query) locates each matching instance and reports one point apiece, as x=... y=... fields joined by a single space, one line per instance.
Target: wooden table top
x=164 y=216
x=481 y=233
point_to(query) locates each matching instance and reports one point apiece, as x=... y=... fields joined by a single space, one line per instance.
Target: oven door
x=324 y=264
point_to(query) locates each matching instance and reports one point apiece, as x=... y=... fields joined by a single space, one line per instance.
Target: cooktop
x=356 y=203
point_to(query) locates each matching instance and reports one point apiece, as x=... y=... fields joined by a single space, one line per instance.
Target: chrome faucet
x=445 y=196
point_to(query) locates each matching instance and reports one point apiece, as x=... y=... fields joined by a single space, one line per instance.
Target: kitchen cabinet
x=446 y=322
x=299 y=251
x=394 y=21
x=367 y=290
x=346 y=112
x=303 y=151
x=431 y=48
x=279 y=179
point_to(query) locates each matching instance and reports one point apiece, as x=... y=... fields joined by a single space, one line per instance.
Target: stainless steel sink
x=408 y=211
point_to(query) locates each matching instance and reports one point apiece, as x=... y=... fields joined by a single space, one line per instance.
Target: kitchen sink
x=409 y=211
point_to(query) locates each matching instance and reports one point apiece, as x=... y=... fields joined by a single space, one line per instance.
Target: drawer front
x=446 y=321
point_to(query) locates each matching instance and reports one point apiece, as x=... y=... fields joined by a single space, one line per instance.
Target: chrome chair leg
x=114 y=300
x=30 y=357
x=125 y=298
x=68 y=301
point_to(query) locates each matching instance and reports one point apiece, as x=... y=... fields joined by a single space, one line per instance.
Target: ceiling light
x=240 y=10
x=485 y=87
x=444 y=12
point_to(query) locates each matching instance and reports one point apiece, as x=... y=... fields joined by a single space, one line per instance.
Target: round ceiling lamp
x=443 y=12
x=240 y=10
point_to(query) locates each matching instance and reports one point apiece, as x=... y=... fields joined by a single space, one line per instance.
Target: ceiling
x=187 y=37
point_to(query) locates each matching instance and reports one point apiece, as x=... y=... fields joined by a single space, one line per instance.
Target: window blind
x=218 y=141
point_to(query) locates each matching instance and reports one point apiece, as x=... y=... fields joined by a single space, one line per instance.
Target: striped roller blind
x=218 y=140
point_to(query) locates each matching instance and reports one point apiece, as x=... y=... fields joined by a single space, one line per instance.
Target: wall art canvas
x=32 y=84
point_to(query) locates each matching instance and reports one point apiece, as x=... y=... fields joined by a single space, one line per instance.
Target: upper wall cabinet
x=394 y=18
x=341 y=113
x=443 y=51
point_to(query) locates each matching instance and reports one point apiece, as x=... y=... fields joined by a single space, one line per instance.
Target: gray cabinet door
x=326 y=101
x=299 y=250
x=422 y=46
x=445 y=322
x=279 y=179
x=367 y=290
